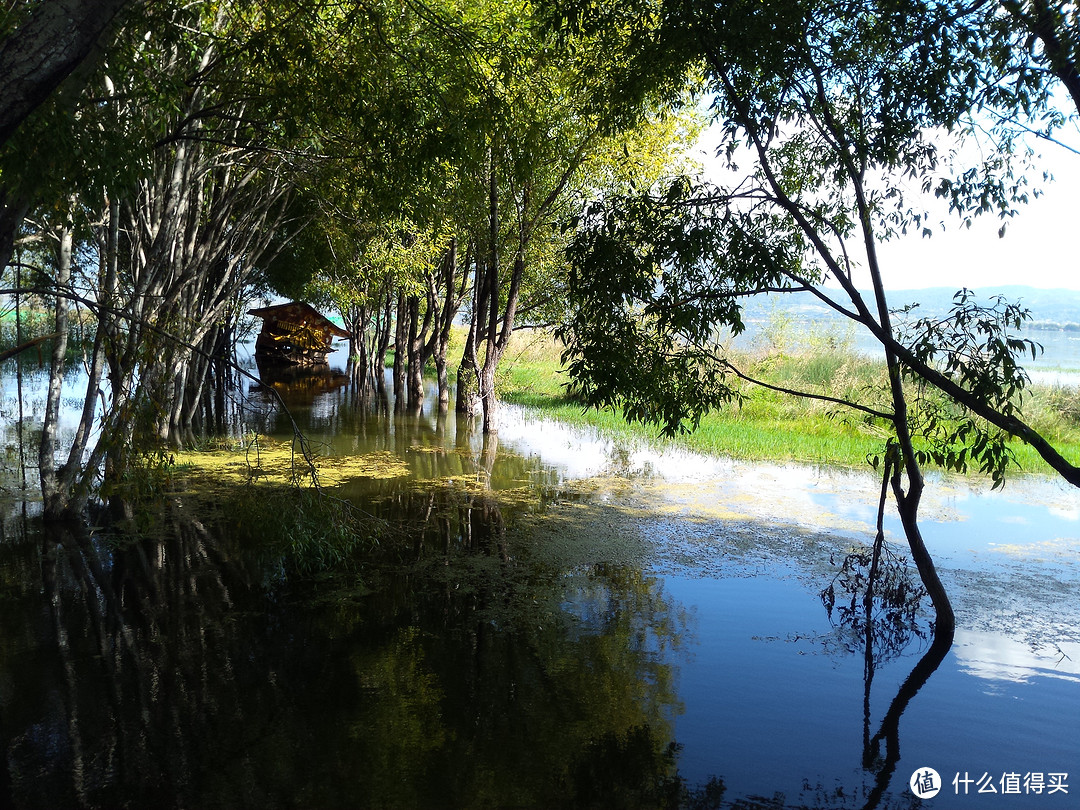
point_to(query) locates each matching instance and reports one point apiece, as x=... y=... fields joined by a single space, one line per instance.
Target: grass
x=769 y=425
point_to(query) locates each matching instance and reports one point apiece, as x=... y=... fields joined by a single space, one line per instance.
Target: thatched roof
x=297 y=312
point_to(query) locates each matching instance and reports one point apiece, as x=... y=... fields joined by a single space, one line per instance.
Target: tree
x=172 y=161
x=43 y=49
x=37 y=53
x=487 y=142
x=549 y=143
x=834 y=106
x=1056 y=25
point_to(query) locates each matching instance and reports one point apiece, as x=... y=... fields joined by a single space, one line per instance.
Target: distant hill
x=796 y=320
x=1050 y=309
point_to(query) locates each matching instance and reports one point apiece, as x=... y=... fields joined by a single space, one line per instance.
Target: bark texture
x=51 y=43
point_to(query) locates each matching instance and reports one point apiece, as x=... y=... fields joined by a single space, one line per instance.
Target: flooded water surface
x=548 y=619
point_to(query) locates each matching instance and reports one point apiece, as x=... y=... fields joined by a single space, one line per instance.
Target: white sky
x=1041 y=246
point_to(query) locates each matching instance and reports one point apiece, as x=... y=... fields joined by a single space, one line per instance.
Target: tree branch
x=801 y=394
x=7 y=354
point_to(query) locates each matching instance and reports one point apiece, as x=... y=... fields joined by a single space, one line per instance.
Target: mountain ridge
x=1057 y=308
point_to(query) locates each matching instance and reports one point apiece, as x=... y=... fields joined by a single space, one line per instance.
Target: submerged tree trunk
x=415 y=369
x=498 y=338
x=468 y=380
x=491 y=285
x=496 y=319
x=358 y=322
x=908 y=507
x=400 y=351
x=66 y=488
x=55 y=499
x=196 y=223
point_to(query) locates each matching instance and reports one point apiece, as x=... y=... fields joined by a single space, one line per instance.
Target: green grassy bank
x=768 y=425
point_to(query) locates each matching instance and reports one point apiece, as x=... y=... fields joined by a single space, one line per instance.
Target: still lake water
x=561 y=620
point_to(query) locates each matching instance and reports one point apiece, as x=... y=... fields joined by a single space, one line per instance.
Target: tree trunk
x=449 y=311
x=76 y=474
x=415 y=371
x=400 y=352
x=382 y=345
x=54 y=496
x=908 y=507
x=468 y=378
x=907 y=503
x=487 y=394
x=491 y=352
x=468 y=385
x=44 y=50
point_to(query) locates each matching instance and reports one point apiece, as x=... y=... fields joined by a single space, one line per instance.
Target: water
x=557 y=621
x=773 y=700
x=801 y=321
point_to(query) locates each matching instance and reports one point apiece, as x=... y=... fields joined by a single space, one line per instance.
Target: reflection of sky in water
x=960 y=520
x=996 y=658
x=1006 y=698
x=993 y=705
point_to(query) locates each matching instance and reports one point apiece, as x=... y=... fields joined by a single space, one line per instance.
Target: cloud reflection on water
x=992 y=656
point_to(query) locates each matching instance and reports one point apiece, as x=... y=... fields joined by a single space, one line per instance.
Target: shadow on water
x=183 y=670
x=464 y=660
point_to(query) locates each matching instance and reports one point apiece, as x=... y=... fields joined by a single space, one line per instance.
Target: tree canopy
x=419 y=169
x=827 y=113
x=424 y=166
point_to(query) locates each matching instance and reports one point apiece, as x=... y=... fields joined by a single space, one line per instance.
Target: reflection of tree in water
x=546 y=682
x=180 y=671
x=109 y=657
x=873 y=602
x=500 y=704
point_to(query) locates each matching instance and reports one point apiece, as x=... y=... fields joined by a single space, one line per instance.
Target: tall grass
x=770 y=425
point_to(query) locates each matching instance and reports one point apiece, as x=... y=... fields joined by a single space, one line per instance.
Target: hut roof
x=300 y=313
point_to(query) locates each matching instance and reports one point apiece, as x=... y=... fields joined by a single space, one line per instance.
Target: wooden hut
x=295 y=334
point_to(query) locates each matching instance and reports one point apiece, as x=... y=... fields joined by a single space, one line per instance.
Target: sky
x=1041 y=246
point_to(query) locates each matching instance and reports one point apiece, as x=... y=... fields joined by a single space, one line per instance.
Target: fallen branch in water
x=7 y=354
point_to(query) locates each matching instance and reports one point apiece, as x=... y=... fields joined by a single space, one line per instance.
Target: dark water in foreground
x=557 y=621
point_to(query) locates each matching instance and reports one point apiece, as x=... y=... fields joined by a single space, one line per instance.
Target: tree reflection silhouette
x=873 y=603
x=182 y=670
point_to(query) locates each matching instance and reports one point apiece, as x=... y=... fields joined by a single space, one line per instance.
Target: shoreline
x=777 y=428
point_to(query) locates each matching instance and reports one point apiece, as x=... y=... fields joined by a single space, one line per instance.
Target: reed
x=768 y=425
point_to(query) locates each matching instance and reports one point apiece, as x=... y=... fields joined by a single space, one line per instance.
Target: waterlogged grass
x=276 y=463
x=768 y=426
x=260 y=489
x=737 y=433
x=772 y=426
